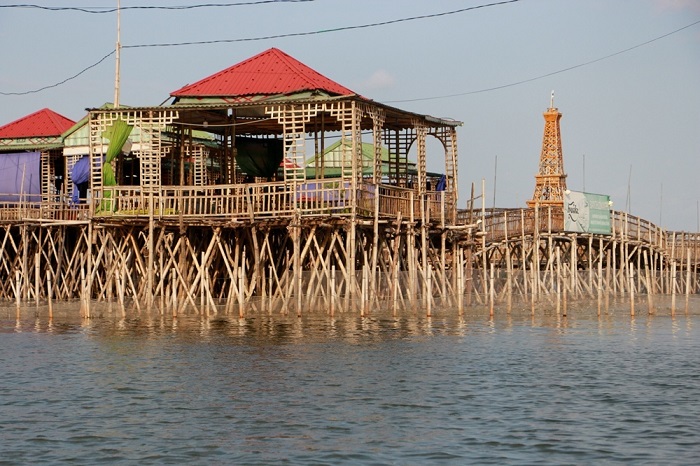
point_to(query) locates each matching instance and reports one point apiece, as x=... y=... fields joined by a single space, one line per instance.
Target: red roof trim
x=44 y=122
x=271 y=72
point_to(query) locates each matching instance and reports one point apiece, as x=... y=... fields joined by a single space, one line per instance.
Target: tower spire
x=550 y=181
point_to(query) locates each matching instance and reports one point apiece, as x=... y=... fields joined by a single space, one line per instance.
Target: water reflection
x=516 y=387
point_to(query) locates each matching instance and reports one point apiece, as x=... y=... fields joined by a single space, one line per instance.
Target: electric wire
x=383 y=23
x=34 y=91
x=325 y=31
x=563 y=70
x=103 y=10
x=322 y=31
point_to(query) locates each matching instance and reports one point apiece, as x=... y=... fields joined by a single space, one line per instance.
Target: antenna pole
x=495 y=174
x=629 y=200
x=117 y=78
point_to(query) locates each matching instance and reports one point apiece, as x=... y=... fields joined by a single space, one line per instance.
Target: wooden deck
x=204 y=205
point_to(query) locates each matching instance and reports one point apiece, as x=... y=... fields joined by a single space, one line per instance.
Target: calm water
x=380 y=390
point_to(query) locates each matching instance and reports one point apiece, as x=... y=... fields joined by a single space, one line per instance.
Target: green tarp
x=117 y=134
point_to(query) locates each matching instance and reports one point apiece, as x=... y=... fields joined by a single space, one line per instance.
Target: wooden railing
x=268 y=200
x=499 y=224
x=47 y=209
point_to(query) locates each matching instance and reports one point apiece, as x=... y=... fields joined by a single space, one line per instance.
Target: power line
x=103 y=10
x=383 y=23
x=323 y=31
x=61 y=82
x=590 y=62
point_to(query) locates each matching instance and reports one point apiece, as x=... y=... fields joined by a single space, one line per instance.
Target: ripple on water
x=346 y=390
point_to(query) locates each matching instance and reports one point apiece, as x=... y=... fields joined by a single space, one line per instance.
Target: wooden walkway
x=513 y=224
x=302 y=245
x=527 y=252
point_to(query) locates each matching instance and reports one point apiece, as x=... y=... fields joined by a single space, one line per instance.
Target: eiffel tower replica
x=550 y=182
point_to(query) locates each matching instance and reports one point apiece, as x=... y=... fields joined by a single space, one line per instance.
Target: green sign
x=587 y=213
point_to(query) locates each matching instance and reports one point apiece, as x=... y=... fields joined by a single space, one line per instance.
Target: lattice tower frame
x=550 y=181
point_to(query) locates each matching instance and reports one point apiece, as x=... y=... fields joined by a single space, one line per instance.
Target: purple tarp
x=20 y=177
x=80 y=173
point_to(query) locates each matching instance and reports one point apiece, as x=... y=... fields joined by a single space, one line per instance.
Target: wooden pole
x=363 y=291
x=673 y=288
x=460 y=282
x=18 y=288
x=37 y=277
x=49 y=294
x=173 y=280
x=536 y=255
x=241 y=294
x=559 y=281
x=607 y=283
x=600 y=276
x=650 y=288
x=631 y=279
x=509 y=266
x=687 y=281
x=333 y=290
x=491 y=290
x=429 y=290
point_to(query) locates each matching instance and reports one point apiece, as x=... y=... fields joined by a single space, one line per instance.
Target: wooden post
x=559 y=281
x=375 y=242
x=37 y=277
x=151 y=250
x=509 y=265
x=270 y=295
x=84 y=299
x=363 y=291
x=600 y=277
x=411 y=248
x=241 y=293
x=607 y=283
x=173 y=280
x=631 y=279
x=614 y=267
x=572 y=266
x=523 y=254
x=297 y=259
x=491 y=290
x=687 y=281
x=460 y=282
x=202 y=286
x=673 y=288
x=333 y=290
x=429 y=289
x=650 y=288
x=18 y=288
x=49 y=294
x=470 y=275
x=536 y=255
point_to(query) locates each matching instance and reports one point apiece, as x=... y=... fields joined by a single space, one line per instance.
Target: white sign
x=587 y=213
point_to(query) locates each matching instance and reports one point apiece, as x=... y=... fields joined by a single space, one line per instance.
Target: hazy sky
x=631 y=124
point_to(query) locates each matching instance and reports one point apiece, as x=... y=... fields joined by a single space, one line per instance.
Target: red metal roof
x=268 y=73
x=45 y=122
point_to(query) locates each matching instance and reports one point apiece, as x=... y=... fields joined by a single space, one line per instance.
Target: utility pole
x=117 y=78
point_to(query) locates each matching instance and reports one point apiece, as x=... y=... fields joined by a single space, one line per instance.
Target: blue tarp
x=20 y=177
x=80 y=174
x=442 y=184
